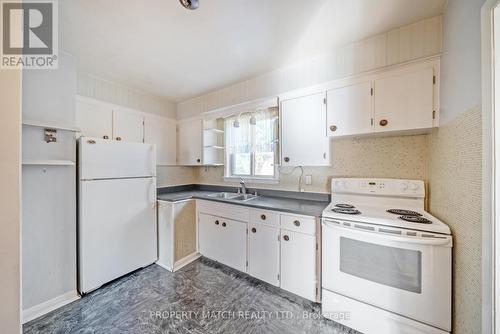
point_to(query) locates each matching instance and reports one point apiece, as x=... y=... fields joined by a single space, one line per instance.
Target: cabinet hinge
x=316 y=246
x=433 y=79
x=324 y=100
x=372 y=121
x=247 y=230
x=434 y=114
x=324 y=155
x=371 y=91
x=278 y=277
x=247 y=263
x=278 y=237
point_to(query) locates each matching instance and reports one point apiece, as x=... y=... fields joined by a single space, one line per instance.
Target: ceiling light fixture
x=189 y=4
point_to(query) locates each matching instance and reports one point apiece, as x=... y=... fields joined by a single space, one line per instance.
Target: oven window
x=395 y=267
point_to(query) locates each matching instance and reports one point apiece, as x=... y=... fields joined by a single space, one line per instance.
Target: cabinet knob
x=224 y=224
x=383 y=122
x=198 y=160
x=286 y=237
x=263 y=217
x=105 y=137
x=296 y=223
x=118 y=138
x=216 y=222
x=287 y=159
x=333 y=128
x=254 y=230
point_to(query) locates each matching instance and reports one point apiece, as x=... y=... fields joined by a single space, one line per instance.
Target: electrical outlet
x=308 y=180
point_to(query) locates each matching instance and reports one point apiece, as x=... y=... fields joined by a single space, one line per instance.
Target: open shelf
x=40 y=162
x=50 y=125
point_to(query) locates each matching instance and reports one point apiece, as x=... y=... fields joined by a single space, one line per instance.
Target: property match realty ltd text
x=29 y=34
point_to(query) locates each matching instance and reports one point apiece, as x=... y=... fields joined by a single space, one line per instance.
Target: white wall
x=455 y=158
x=417 y=40
x=109 y=91
x=461 y=58
x=10 y=201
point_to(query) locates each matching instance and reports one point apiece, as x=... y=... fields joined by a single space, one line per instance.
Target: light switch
x=308 y=180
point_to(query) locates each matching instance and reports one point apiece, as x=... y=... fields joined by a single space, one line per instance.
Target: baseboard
x=50 y=305
x=164 y=266
x=186 y=260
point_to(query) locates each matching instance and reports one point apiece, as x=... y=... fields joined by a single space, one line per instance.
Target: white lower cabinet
x=233 y=238
x=263 y=253
x=280 y=249
x=298 y=264
x=208 y=236
x=223 y=240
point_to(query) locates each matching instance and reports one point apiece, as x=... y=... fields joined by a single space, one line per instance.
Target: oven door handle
x=445 y=241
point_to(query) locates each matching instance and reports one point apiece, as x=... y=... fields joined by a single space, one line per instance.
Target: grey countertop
x=304 y=206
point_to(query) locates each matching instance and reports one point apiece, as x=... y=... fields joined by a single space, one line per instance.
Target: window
x=251 y=144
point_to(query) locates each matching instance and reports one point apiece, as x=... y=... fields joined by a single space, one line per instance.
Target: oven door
x=410 y=276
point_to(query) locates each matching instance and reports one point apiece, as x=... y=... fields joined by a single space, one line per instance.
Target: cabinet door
x=298 y=264
x=189 y=142
x=303 y=136
x=161 y=131
x=263 y=252
x=94 y=120
x=209 y=236
x=349 y=110
x=128 y=126
x=233 y=245
x=404 y=101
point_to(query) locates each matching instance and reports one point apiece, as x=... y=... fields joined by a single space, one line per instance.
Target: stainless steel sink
x=224 y=195
x=234 y=196
x=245 y=197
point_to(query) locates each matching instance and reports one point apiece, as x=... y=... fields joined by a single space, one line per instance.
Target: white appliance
x=386 y=263
x=117 y=210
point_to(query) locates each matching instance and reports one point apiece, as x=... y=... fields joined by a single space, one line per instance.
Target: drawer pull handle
x=286 y=237
x=254 y=230
x=263 y=217
x=105 y=137
x=216 y=222
x=296 y=223
x=224 y=224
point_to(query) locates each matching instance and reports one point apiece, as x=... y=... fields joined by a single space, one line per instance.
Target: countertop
x=303 y=206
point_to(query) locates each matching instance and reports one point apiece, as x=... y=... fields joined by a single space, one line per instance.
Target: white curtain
x=250 y=148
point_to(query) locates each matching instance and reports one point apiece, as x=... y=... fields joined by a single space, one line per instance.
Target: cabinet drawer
x=302 y=224
x=265 y=217
x=230 y=211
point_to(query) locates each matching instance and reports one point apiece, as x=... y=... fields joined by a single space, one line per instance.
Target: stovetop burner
x=347 y=211
x=402 y=212
x=416 y=219
x=345 y=206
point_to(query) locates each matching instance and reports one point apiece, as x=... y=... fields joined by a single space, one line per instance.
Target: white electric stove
x=386 y=262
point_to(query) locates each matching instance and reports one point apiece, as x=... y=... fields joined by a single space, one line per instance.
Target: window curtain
x=250 y=148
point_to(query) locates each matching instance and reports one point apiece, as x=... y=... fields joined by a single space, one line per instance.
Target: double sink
x=233 y=196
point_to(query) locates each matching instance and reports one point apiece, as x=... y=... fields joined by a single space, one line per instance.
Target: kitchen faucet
x=243 y=187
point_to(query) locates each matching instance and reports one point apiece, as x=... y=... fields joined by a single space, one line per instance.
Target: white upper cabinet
x=349 y=109
x=189 y=142
x=304 y=141
x=94 y=119
x=404 y=100
x=128 y=126
x=162 y=132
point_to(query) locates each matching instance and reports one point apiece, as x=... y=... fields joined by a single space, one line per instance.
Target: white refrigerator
x=116 y=210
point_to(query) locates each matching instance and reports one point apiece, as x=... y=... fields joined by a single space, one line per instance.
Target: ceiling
x=161 y=48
